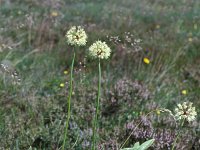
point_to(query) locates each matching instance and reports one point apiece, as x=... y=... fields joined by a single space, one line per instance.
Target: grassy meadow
x=154 y=65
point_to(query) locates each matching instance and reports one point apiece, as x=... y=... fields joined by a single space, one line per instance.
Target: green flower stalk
x=76 y=36
x=177 y=137
x=98 y=50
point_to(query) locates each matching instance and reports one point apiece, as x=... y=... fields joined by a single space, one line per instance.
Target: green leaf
x=146 y=144
x=135 y=147
x=143 y=146
x=129 y=149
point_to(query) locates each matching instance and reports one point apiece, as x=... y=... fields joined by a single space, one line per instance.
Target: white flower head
x=99 y=50
x=76 y=36
x=185 y=111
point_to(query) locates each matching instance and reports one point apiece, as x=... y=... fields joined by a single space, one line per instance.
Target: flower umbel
x=185 y=111
x=99 y=50
x=76 y=36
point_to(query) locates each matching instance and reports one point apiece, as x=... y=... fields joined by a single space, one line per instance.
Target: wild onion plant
x=184 y=112
x=98 y=50
x=76 y=36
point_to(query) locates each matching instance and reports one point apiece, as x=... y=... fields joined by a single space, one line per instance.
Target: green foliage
x=143 y=146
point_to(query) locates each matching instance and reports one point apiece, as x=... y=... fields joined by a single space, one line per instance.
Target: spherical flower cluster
x=99 y=50
x=185 y=111
x=76 y=36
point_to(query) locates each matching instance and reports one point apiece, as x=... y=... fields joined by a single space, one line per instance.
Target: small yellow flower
x=158 y=112
x=62 y=84
x=54 y=13
x=146 y=60
x=157 y=26
x=184 y=92
x=190 y=39
x=65 y=72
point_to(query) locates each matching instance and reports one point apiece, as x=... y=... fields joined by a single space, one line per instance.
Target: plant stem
x=97 y=110
x=174 y=143
x=69 y=101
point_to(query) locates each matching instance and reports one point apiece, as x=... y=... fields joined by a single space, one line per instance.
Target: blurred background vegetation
x=34 y=55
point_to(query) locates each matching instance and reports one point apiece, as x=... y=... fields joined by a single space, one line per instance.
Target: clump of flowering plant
x=76 y=36
x=99 y=50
